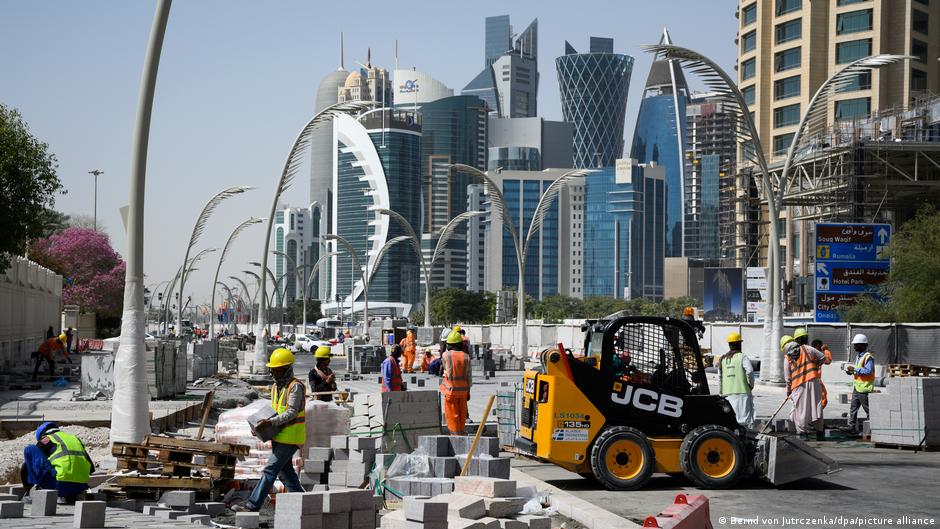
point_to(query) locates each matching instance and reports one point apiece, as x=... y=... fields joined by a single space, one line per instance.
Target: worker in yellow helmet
x=736 y=376
x=456 y=382
x=803 y=372
x=288 y=400
x=321 y=377
x=408 y=352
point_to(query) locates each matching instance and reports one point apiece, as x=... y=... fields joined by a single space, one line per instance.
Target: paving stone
x=321 y=487
x=212 y=508
x=89 y=514
x=422 y=509
x=435 y=445
x=397 y=520
x=127 y=505
x=335 y=501
x=299 y=503
x=338 y=520
x=170 y=514
x=247 y=520
x=11 y=509
x=464 y=505
x=488 y=487
x=362 y=519
x=384 y=460
x=460 y=444
x=178 y=498
x=489 y=522
x=339 y=454
x=472 y=470
x=44 y=502
x=442 y=486
x=364 y=443
x=507 y=523
x=463 y=523
x=360 y=499
x=339 y=441
x=319 y=453
x=366 y=457
x=535 y=522
x=314 y=465
x=307 y=521
x=336 y=479
x=503 y=507
x=309 y=478
x=16 y=490
x=196 y=519
x=496 y=467
x=443 y=467
x=9 y=497
x=152 y=510
x=354 y=479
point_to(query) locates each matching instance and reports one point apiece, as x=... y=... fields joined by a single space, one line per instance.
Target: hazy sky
x=238 y=79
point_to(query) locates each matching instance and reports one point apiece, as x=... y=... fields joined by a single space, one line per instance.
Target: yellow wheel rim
x=624 y=459
x=715 y=457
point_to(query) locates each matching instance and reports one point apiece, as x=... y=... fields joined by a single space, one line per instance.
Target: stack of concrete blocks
x=907 y=413
x=228 y=355
x=202 y=359
x=368 y=359
x=352 y=459
x=333 y=509
x=316 y=466
x=507 y=424
x=476 y=503
x=166 y=369
x=398 y=417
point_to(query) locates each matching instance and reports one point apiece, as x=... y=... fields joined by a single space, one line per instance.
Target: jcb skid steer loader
x=636 y=403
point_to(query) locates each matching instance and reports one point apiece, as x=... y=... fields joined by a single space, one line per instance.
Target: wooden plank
x=164 y=482
x=129 y=460
x=206 y=408
x=209 y=447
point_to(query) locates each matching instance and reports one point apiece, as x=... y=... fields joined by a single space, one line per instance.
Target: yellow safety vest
x=294 y=432
x=69 y=459
x=864 y=383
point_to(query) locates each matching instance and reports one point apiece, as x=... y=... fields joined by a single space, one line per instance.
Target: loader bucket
x=782 y=460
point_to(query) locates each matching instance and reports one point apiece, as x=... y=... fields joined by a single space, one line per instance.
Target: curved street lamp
x=522 y=247
x=238 y=229
x=251 y=298
x=231 y=300
x=198 y=229
x=180 y=274
x=315 y=269
x=364 y=272
x=296 y=158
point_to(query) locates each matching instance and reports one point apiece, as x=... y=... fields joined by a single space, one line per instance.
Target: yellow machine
x=638 y=403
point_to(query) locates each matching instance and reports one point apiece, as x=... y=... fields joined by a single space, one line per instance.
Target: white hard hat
x=860 y=338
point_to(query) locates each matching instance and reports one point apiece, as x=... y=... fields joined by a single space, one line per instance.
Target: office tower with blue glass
x=660 y=137
x=510 y=78
x=594 y=88
x=624 y=236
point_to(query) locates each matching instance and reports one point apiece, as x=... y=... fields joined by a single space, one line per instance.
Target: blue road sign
x=849 y=261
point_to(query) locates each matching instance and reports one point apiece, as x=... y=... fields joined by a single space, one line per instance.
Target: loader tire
x=712 y=457
x=622 y=458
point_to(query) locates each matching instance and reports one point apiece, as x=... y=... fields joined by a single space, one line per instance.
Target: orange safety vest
x=49 y=347
x=806 y=368
x=396 y=376
x=408 y=345
x=456 y=380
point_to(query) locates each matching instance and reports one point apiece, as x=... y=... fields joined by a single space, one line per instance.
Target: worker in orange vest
x=408 y=355
x=803 y=371
x=456 y=383
x=426 y=359
x=46 y=352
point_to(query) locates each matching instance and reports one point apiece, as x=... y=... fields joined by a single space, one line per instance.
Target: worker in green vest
x=288 y=401
x=58 y=461
x=736 y=373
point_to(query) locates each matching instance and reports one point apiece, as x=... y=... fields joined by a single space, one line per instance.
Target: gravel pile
x=97 y=442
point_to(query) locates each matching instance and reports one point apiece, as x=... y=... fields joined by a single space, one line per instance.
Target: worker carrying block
x=58 y=461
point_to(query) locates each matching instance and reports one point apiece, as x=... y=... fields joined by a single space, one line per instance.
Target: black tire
x=622 y=458
x=712 y=457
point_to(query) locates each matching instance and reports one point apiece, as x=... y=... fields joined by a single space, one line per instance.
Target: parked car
x=307 y=342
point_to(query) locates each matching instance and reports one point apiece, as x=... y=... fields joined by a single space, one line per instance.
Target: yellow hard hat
x=63 y=338
x=784 y=340
x=456 y=328
x=735 y=337
x=800 y=332
x=281 y=357
x=323 y=352
x=454 y=336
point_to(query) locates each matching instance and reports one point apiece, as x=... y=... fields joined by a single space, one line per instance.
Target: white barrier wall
x=30 y=301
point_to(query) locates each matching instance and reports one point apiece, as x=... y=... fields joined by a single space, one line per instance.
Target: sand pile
x=96 y=440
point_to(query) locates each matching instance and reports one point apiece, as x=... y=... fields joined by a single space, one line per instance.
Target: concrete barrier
x=30 y=301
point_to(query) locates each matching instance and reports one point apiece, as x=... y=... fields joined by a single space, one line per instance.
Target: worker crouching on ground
x=803 y=371
x=391 y=371
x=58 y=461
x=863 y=371
x=736 y=374
x=426 y=359
x=288 y=400
x=408 y=352
x=455 y=386
x=321 y=377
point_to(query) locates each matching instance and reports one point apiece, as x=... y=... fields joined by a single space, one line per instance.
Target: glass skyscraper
x=624 y=215
x=660 y=137
x=510 y=78
x=594 y=89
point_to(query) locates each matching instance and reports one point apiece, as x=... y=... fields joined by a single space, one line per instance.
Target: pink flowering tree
x=93 y=273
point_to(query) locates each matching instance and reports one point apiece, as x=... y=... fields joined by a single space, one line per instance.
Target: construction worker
x=58 y=461
x=820 y=346
x=47 y=350
x=408 y=355
x=803 y=371
x=321 y=377
x=391 y=371
x=63 y=339
x=863 y=371
x=426 y=359
x=288 y=400
x=69 y=335
x=455 y=386
x=736 y=376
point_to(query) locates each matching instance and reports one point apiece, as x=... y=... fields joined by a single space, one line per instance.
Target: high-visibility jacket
x=294 y=432
x=49 y=347
x=69 y=458
x=390 y=366
x=864 y=383
x=456 y=381
x=408 y=345
x=734 y=381
x=805 y=368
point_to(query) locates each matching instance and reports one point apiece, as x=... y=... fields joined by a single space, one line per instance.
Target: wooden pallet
x=912 y=370
x=893 y=446
x=163 y=482
x=204 y=447
x=172 y=457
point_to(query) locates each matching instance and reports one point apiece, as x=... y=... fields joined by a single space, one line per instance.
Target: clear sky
x=238 y=79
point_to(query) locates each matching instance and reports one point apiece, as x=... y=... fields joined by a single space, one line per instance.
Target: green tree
x=450 y=305
x=912 y=291
x=295 y=311
x=28 y=184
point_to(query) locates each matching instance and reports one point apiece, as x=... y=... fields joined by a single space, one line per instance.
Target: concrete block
x=357 y=468
x=435 y=445
x=460 y=444
x=306 y=521
x=335 y=501
x=423 y=486
x=336 y=479
x=422 y=509
x=535 y=522
x=16 y=490
x=364 y=443
x=463 y=505
x=402 y=486
x=298 y=504
x=443 y=467
x=152 y=510
x=9 y=497
x=497 y=467
x=247 y=520
x=339 y=466
x=512 y=524
x=360 y=499
x=442 y=486
x=315 y=465
x=473 y=470
x=88 y=514
x=339 y=442
x=362 y=519
x=13 y=509
x=43 y=502
x=354 y=479
x=169 y=514
x=488 y=487
x=310 y=478
x=489 y=522
x=212 y=508
x=503 y=507
x=384 y=460
x=196 y=519
x=366 y=457
x=463 y=523
x=339 y=520
x=319 y=453
x=178 y=499
x=321 y=487
x=340 y=454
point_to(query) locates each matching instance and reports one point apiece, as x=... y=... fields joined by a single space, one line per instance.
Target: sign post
x=849 y=262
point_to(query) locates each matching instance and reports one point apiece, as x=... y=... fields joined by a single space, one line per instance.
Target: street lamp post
x=365 y=282
x=179 y=275
x=96 y=173
x=238 y=229
x=251 y=298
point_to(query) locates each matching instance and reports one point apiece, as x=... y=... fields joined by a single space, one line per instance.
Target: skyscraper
x=660 y=137
x=528 y=144
x=297 y=233
x=594 y=89
x=509 y=80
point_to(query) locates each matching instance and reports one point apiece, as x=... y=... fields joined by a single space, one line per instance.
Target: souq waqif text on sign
x=849 y=261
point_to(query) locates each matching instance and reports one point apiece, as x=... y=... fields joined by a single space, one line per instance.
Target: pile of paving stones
x=476 y=503
x=398 y=417
x=332 y=509
x=347 y=462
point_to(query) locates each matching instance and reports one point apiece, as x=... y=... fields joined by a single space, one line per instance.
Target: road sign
x=849 y=261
